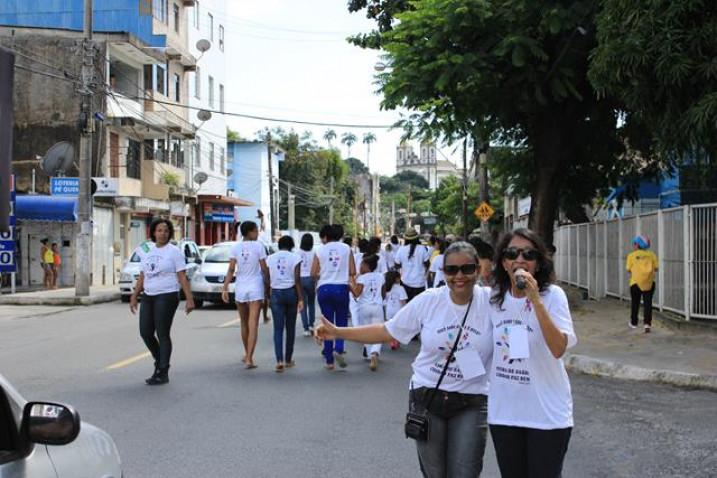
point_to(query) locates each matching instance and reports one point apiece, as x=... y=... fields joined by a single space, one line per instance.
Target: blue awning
x=46 y=208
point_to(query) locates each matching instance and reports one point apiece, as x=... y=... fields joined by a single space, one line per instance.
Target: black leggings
x=412 y=292
x=156 y=314
x=646 y=295
x=529 y=452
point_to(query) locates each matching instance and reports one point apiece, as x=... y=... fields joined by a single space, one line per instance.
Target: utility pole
x=272 y=216
x=465 y=188
x=393 y=217
x=408 y=211
x=83 y=249
x=292 y=223
x=331 y=204
x=483 y=184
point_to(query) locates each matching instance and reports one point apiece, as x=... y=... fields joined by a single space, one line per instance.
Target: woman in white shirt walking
x=436 y=269
x=251 y=286
x=413 y=260
x=530 y=410
x=395 y=299
x=162 y=274
x=332 y=268
x=308 y=286
x=286 y=298
x=369 y=291
x=448 y=317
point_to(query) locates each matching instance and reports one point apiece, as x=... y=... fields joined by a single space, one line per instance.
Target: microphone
x=519 y=280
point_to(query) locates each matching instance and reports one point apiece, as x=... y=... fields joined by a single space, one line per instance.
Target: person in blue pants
x=332 y=267
x=308 y=285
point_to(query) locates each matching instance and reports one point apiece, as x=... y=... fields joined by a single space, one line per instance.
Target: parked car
x=47 y=440
x=203 y=251
x=208 y=280
x=131 y=270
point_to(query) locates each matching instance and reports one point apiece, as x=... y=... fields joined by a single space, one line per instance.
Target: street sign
x=65 y=186
x=484 y=212
x=106 y=187
x=7 y=239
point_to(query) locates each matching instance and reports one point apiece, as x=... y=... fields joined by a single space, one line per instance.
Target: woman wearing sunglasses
x=530 y=409
x=456 y=315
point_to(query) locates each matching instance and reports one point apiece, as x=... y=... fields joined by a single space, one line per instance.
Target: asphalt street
x=216 y=419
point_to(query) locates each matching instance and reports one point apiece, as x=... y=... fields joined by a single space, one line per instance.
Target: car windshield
x=218 y=254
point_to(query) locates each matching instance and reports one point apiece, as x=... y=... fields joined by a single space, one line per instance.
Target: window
x=221 y=98
x=196 y=15
x=222 y=166
x=177 y=88
x=221 y=38
x=176 y=18
x=211 y=156
x=198 y=83
x=198 y=152
x=211 y=92
x=161 y=10
x=160 y=82
x=133 y=165
x=211 y=27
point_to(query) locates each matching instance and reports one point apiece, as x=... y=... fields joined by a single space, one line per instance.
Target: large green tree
x=517 y=68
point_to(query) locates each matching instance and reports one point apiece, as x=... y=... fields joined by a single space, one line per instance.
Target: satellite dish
x=203 y=45
x=200 y=178
x=204 y=115
x=58 y=159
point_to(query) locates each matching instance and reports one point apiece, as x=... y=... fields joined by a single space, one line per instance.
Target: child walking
x=369 y=289
x=396 y=298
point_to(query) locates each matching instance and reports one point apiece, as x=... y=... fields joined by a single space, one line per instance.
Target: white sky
x=288 y=59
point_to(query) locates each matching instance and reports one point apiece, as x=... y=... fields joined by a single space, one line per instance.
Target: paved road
x=217 y=419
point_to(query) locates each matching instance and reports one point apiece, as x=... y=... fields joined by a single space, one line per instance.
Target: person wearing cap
x=413 y=260
x=641 y=264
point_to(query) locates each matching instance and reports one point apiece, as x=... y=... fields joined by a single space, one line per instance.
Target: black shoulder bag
x=417 y=424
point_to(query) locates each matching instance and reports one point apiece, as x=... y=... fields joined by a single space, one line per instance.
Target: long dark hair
x=371 y=260
x=391 y=278
x=544 y=272
x=413 y=243
x=307 y=242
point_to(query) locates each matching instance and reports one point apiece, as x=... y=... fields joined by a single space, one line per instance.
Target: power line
x=43 y=73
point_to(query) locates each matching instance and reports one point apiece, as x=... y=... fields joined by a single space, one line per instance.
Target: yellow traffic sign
x=484 y=211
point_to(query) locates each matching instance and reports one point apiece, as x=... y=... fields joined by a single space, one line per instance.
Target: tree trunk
x=544 y=205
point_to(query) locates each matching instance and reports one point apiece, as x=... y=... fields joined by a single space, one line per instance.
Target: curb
x=61 y=301
x=606 y=368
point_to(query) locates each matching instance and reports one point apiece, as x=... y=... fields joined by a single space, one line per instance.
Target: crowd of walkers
x=490 y=325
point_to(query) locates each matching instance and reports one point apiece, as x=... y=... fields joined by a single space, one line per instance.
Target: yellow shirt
x=642 y=264
x=49 y=256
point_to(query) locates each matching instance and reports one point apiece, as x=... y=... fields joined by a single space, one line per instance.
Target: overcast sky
x=288 y=59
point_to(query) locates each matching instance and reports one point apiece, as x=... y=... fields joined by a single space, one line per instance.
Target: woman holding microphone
x=530 y=410
x=162 y=274
x=449 y=384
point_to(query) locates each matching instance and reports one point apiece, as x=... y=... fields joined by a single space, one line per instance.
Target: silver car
x=131 y=270
x=208 y=279
x=45 y=439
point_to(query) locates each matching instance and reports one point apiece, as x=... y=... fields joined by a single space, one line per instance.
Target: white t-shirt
x=393 y=300
x=437 y=269
x=382 y=266
x=532 y=392
x=372 y=283
x=334 y=262
x=436 y=317
x=391 y=256
x=413 y=272
x=358 y=257
x=159 y=267
x=307 y=258
x=281 y=266
x=248 y=254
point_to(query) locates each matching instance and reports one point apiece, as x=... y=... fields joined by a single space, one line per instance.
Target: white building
x=427 y=165
x=207 y=91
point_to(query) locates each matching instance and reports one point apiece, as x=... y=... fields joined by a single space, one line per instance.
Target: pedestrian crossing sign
x=484 y=211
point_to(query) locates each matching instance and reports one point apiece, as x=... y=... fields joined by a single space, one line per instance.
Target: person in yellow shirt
x=47 y=259
x=642 y=265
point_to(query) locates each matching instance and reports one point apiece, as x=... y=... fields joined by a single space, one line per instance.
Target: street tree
x=349 y=139
x=329 y=136
x=368 y=138
x=519 y=66
x=356 y=167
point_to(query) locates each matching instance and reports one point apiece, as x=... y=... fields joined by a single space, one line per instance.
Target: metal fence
x=592 y=256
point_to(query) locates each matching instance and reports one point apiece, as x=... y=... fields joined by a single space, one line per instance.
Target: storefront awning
x=224 y=200
x=46 y=208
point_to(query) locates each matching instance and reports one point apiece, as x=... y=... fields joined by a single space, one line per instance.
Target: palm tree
x=348 y=139
x=329 y=135
x=368 y=138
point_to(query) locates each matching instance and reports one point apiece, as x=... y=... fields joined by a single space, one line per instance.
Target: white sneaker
x=307 y=333
x=629 y=324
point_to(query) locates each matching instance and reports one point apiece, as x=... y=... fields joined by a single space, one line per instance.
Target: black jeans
x=529 y=452
x=636 y=294
x=156 y=313
x=412 y=292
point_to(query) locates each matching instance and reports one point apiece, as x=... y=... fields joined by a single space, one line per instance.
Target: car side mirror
x=198 y=261
x=50 y=423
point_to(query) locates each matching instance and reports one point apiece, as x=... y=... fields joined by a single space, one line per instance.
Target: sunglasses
x=512 y=254
x=466 y=269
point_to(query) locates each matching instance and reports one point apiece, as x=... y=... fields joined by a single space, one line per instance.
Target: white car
x=45 y=440
x=131 y=270
x=208 y=279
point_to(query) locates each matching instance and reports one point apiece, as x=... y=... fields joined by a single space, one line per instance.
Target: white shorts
x=249 y=291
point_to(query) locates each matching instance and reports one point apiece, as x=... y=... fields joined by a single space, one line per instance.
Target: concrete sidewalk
x=684 y=356
x=62 y=297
